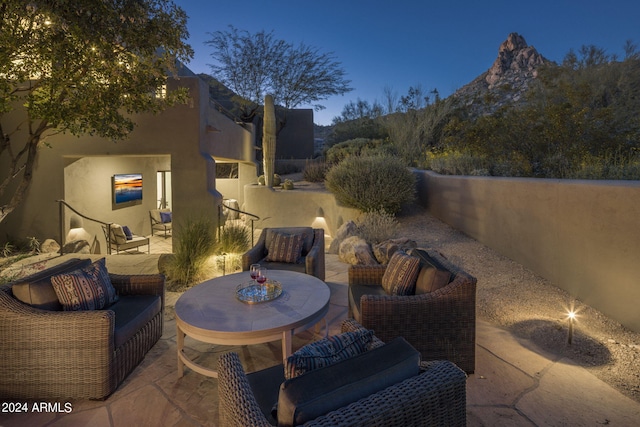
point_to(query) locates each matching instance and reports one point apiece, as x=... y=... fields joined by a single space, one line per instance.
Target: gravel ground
x=512 y=296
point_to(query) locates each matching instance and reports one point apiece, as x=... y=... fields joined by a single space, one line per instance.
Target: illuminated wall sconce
x=77 y=232
x=321 y=222
x=75 y=222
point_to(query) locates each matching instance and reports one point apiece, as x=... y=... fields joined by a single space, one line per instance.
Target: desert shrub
x=372 y=183
x=192 y=248
x=376 y=226
x=286 y=168
x=234 y=238
x=457 y=163
x=315 y=171
x=358 y=147
x=622 y=166
x=514 y=165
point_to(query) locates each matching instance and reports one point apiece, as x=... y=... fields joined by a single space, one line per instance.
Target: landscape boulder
x=356 y=251
x=384 y=250
x=77 y=247
x=347 y=229
x=49 y=246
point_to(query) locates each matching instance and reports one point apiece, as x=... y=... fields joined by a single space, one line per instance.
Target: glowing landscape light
x=572 y=318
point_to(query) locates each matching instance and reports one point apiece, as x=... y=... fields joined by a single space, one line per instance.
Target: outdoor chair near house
x=350 y=382
x=298 y=249
x=161 y=220
x=122 y=239
x=435 y=310
x=76 y=344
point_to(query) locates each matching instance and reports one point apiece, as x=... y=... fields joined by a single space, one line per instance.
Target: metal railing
x=218 y=107
x=253 y=218
x=106 y=225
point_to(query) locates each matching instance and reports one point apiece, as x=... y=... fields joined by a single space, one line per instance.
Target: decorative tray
x=254 y=293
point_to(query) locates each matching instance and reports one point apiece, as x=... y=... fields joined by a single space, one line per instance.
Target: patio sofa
x=386 y=385
x=439 y=323
x=49 y=353
x=309 y=258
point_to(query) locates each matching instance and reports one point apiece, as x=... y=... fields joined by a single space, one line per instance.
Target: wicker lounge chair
x=440 y=324
x=49 y=354
x=312 y=257
x=434 y=396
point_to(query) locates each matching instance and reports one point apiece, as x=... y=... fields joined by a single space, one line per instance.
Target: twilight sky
x=401 y=43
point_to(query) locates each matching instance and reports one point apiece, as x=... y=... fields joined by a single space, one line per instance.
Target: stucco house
x=176 y=152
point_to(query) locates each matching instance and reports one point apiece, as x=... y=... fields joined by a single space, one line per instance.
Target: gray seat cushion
x=356 y=292
x=132 y=313
x=320 y=391
x=265 y=385
x=37 y=291
x=299 y=267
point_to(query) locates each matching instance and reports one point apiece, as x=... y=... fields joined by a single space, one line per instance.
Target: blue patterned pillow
x=88 y=288
x=326 y=352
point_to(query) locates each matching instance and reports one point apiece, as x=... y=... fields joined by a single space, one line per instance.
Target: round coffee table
x=210 y=312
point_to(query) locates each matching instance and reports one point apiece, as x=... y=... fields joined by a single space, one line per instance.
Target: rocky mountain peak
x=514 y=57
x=509 y=76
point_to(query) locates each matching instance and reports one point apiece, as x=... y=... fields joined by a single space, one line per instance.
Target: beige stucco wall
x=234 y=188
x=296 y=208
x=95 y=173
x=181 y=135
x=583 y=236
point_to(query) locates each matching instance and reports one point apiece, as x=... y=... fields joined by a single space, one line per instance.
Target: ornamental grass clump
x=371 y=183
x=192 y=248
x=234 y=238
x=376 y=226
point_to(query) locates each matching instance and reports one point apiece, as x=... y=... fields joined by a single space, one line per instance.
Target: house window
x=226 y=171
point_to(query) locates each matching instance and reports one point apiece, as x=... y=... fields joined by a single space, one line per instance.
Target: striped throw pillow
x=400 y=275
x=326 y=352
x=285 y=248
x=88 y=288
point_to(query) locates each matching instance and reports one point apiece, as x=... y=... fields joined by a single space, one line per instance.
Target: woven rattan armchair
x=441 y=325
x=62 y=354
x=312 y=261
x=434 y=397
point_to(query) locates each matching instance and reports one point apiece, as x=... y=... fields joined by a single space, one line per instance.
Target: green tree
x=81 y=67
x=253 y=65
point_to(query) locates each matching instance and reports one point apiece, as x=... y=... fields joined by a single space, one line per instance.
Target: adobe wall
x=181 y=137
x=583 y=236
x=296 y=208
x=295 y=140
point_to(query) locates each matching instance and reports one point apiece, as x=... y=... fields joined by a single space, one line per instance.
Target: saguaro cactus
x=269 y=140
